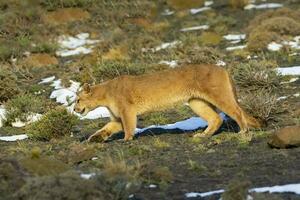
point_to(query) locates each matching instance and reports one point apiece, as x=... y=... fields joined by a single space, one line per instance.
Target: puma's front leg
x=105 y=132
x=128 y=118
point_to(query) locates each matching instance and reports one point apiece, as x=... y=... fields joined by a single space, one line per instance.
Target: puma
x=203 y=87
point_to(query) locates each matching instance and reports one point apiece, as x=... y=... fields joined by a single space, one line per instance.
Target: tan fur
x=204 y=87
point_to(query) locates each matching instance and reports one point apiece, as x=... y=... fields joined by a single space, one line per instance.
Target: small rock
x=286 y=137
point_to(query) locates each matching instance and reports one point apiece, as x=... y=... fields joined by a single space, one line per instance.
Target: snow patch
x=67 y=96
x=87 y=176
x=13 y=138
x=2 y=115
x=47 y=80
x=232 y=37
x=235 y=47
x=167 y=12
x=263 y=6
x=30 y=119
x=80 y=44
x=194 y=11
x=295 y=70
x=221 y=63
x=166 y=45
x=273 y=46
x=172 y=63
x=291 y=188
x=195 y=28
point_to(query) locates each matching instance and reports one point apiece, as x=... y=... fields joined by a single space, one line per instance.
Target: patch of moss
x=23 y=106
x=182 y=4
x=66 y=186
x=210 y=38
x=238 y=3
x=8 y=84
x=55 y=123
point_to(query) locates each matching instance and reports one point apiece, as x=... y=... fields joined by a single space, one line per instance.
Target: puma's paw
x=99 y=136
x=128 y=138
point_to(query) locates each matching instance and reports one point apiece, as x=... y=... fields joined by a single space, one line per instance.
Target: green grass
x=55 y=123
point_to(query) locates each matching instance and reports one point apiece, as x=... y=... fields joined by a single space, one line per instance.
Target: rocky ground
x=93 y=41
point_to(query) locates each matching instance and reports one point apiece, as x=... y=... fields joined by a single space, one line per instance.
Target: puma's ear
x=86 y=88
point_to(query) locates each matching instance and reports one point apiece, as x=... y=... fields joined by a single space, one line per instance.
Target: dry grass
x=9 y=84
x=160 y=144
x=263 y=105
x=182 y=4
x=272 y=26
x=256 y=75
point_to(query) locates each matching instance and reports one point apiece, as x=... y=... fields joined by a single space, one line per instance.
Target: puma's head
x=88 y=99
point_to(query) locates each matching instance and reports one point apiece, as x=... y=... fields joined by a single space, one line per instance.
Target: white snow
x=294 y=44
x=296 y=95
x=263 y=6
x=204 y=194
x=2 y=115
x=273 y=46
x=67 y=96
x=208 y=3
x=166 y=45
x=295 y=70
x=281 y=98
x=13 y=138
x=195 y=28
x=47 y=80
x=80 y=44
x=64 y=95
x=30 y=119
x=172 y=63
x=87 y=176
x=152 y=186
x=194 y=11
x=290 y=81
x=235 y=47
x=291 y=188
x=232 y=37
x=167 y=12
x=221 y=63
x=99 y=112
x=72 y=52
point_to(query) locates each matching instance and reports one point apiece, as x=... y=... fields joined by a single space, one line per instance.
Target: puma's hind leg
x=205 y=111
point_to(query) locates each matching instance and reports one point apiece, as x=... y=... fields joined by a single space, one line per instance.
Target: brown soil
x=40 y=60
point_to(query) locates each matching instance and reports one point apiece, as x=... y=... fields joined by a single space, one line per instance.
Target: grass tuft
x=55 y=123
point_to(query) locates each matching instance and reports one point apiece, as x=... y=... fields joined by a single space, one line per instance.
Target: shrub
x=256 y=75
x=8 y=85
x=202 y=55
x=272 y=26
x=293 y=14
x=263 y=105
x=238 y=3
x=22 y=106
x=54 y=4
x=55 y=123
x=110 y=69
x=120 y=177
